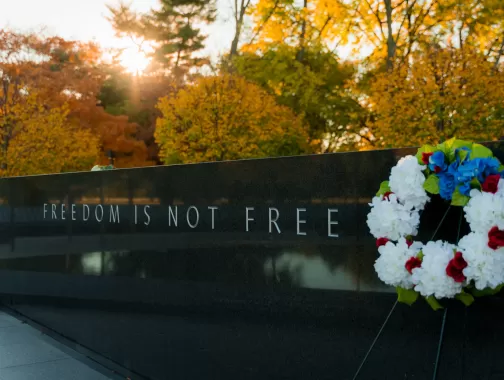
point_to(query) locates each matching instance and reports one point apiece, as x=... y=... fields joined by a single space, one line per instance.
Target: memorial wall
x=258 y=269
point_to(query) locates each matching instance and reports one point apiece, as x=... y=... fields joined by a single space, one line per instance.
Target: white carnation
x=407 y=180
x=431 y=278
x=500 y=187
x=390 y=266
x=485 y=210
x=391 y=219
x=485 y=266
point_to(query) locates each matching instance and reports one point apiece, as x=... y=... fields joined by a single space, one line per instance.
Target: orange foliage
x=68 y=72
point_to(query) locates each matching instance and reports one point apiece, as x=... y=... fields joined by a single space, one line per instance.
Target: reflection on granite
x=309 y=272
x=297 y=222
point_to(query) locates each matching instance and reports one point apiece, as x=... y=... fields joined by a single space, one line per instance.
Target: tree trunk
x=499 y=55
x=302 y=37
x=239 y=16
x=391 y=45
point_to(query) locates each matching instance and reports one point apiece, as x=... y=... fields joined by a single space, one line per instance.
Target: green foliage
x=433 y=303
x=384 y=188
x=313 y=88
x=407 y=296
x=466 y=298
x=431 y=184
x=475 y=184
x=459 y=199
x=480 y=151
x=485 y=292
x=174 y=29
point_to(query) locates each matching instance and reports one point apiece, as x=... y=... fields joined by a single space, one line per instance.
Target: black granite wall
x=217 y=297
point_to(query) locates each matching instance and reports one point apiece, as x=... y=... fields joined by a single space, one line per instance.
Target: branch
x=325 y=25
x=499 y=54
x=272 y=11
x=362 y=30
x=406 y=15
x=377 y=14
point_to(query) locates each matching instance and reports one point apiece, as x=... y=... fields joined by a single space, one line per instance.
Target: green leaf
x=501 y=168
x=475 y=184
x=459 y=199
x=420 y=255
x=446 y=148
x=457 y=144
x=431 y=184
x=433 y=302
x=486 y=292
x=384 y=188
x=466 y=298
x=449 y=147
x=407 y=296
x=463 y=155
x=480 y=151
x=424 y=149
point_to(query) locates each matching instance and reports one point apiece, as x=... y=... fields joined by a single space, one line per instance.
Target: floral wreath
x=467 y=175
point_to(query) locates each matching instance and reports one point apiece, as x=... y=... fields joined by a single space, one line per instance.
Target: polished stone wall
x=252 y=269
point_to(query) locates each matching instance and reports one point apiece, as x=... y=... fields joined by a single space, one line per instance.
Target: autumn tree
x=136 y=97
x=38 y=139
x=67 y=73
x=443 y=93
x=226 y=118
x=173 y=30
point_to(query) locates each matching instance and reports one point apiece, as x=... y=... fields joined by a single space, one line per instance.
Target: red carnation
x=381 y=241
x=409 y=242
x=412 y=263
x=455 y=267
x=491 y=183
x=386 y=195
x=425 y=157
x=495 y=238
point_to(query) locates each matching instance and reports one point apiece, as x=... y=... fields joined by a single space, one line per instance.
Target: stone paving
x=28 y=354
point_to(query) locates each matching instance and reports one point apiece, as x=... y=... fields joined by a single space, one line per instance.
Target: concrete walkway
x=28 y=354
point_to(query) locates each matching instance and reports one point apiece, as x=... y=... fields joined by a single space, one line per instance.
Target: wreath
x=463 y=174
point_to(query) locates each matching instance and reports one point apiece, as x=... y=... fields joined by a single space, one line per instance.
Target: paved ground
x=28 y=354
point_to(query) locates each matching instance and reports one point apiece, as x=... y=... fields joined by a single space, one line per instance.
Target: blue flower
x=468 y=170
x=437 y=162
x=448 y=182
x=489 y=166
x=465 y=188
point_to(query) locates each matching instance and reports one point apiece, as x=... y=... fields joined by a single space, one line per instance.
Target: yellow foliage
x=226 y=118
x=38 y=140
x=443 y=93
x=287 y=21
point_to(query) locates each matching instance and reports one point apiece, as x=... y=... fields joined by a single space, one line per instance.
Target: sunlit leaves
x=441 y=94
x=225 y=118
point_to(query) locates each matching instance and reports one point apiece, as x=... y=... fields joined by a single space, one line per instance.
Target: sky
x=86 y=20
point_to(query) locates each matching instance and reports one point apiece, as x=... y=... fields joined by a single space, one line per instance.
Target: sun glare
x=133 y=60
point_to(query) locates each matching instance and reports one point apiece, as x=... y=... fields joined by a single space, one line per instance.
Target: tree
x=40 y=140
x=240 y=8
x=174 y=31
x=393 y=28
x=295 y=23
x=136 y=97
x=66 y=73
x=443 y=93
x=315 y=89
x=226 y=118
